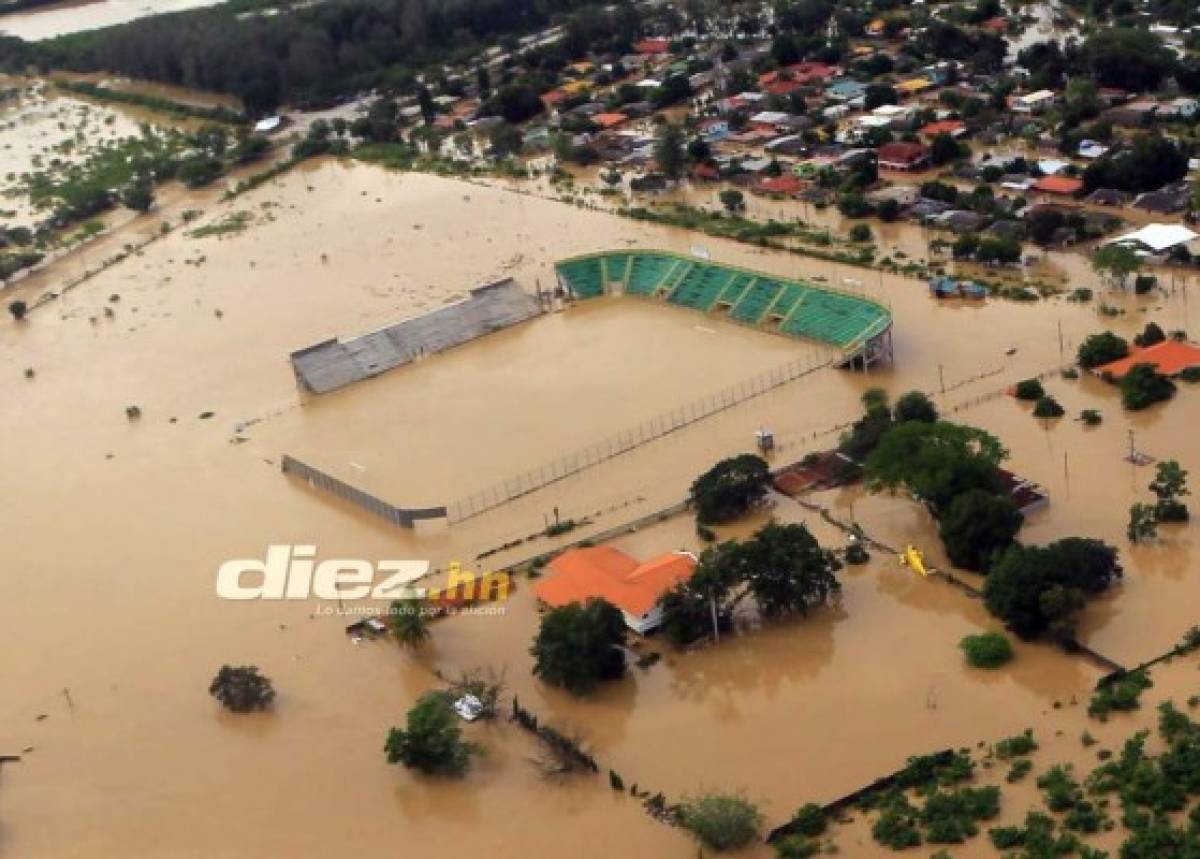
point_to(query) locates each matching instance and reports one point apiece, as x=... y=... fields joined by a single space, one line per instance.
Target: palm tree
x=409 y=623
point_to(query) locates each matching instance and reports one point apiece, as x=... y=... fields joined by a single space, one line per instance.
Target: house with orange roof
x=603 y=572
x=1169 y=357
x=1062 y=186
x=648 y=47
x=953 y=127
x=609 y=120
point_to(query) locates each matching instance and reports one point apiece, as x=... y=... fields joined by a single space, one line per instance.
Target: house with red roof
x=648 y=47
x=602 y=572
x=786 y=185
x=902 y=155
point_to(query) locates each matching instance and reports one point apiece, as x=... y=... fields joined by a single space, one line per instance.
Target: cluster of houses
x=788 y=131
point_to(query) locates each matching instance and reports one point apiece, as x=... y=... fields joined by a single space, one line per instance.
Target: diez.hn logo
x=293 y=573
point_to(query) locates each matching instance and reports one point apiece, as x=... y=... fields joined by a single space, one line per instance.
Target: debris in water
x=206 y=415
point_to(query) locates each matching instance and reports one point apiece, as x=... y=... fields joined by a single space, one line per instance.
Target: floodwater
x=39 y=127
x=117 y=528
x=73 y=16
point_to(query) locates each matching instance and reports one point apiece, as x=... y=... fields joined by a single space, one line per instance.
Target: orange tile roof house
x=603 y=572
x=1064 y=186
x=1170 y=357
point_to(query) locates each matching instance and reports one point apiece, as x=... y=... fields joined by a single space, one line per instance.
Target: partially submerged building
x=603 y=572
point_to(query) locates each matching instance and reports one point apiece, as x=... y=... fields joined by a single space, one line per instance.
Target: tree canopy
x=1099 y=349
x=1143 y=386
x=242 y=689
x=935 y=462
x=578 y=645
x=730 y=488
x=431 y=741
x=978 y=525
x=1036 y=589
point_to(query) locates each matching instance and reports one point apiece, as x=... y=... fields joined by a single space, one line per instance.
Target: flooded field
x=72 y=16
x=39 y=128
x=109 y=591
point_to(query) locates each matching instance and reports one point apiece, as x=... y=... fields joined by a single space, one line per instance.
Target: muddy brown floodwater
x=72 y=16
x=115 y=529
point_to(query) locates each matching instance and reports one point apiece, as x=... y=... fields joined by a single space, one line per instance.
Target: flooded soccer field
x=109 y=589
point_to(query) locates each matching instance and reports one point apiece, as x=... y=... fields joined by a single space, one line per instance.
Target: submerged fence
x=403 y=516
x=627 y=440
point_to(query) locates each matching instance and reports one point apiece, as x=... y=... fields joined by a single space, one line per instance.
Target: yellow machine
x=914 y=559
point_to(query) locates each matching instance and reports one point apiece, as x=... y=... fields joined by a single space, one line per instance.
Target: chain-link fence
x=627 y=440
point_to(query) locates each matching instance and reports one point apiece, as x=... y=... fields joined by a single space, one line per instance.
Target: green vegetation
x=986 y=650
x=1048 y=407
x=230 y=224
x=409 y=622
x=729 y=489
x=1029 y=389
x=1143 y=386
x=1016 y=746
x=431 y=741
x=977 y=526
x=1036 y=589
x=1143 y=523
x=1121 y=693
x=154 y=102
x=782 y=567
x=1100 y=349
x=721 y=821
x=242 y=689
x=1091 y=417
x=577 y=646
x=1168 y=486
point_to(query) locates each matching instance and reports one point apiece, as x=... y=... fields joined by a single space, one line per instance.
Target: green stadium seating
x=800 y=309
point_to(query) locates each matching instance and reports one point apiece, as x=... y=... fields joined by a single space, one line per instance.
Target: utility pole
x=716 y=627
x=941 y=380
x=1061 y=348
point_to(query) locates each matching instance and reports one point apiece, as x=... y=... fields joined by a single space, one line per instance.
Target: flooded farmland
x=116 y=630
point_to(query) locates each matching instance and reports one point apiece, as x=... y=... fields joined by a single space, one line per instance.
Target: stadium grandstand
x=856 y=325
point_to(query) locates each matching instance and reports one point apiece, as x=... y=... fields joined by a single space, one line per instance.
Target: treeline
x=216 y=113
x=306 y=56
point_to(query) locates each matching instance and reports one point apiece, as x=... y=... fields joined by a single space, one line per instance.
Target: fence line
x=403 y=516
x=634 y=437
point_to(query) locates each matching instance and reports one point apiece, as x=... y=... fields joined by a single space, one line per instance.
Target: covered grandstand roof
x=781 y=305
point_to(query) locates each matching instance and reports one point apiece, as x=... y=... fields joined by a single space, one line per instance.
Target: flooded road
x=115 y=631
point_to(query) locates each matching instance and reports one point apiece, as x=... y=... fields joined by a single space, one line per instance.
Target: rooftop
x=609 y=574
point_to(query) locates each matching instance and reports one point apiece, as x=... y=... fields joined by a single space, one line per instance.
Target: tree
x=1126 y=57
x=915 y=406
x=733 y=200
x=1030 y=390
x=431 y=741
x=721 y=821
x=1043 y=223
x=1023 y=590
x=977 y=526
x=1150 y=335
x=1143 y=386
x=787 y=571
x=409 y=622
x=944 y=148
x=1048 y=407
x=986 y=650
x=506 y=140
x=138 y=194
x=242 y=689
x=691 y=608
x=1099 y=349
x=1169 y=484
x=668 y=151
x=935 y=462
x=1143 y=523
x=18 y=309
x=877 y=95
x=729 y=488
x=860 y=233
x=425 y=104
x=1116 y=262
x=578 y=645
